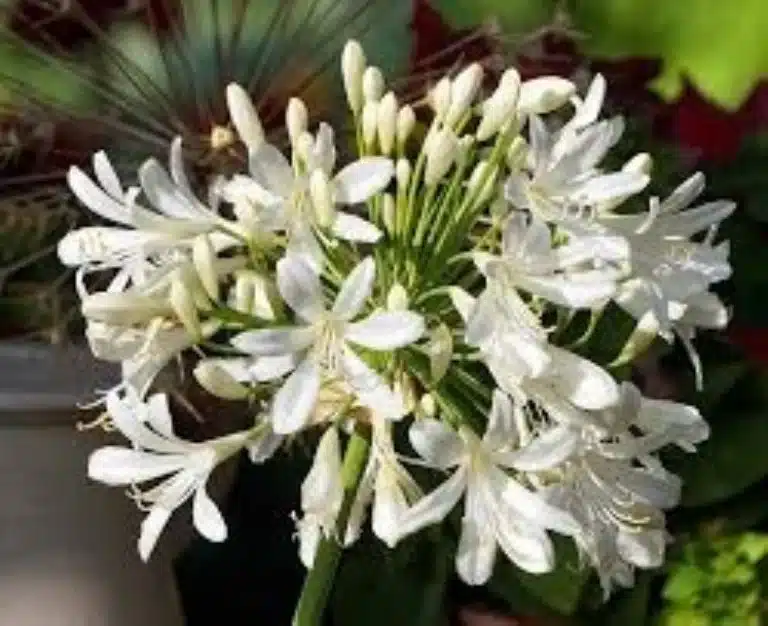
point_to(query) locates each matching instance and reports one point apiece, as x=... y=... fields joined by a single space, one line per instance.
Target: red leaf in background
x=753 y=341
x=58 y=27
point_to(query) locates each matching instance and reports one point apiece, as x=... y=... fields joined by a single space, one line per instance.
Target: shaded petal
x=643 y=549
x=271 y=367
x=610 y=186
x=271 y=170
x=207 y=518
x=151 y=528
x=293 y=403
x=545 y=451
x=436 y=443
x=322 y=491
x=355 y=290
x=166 y=196
x=299 y=285
x=574 y=291
x=386 y=331
x=500 y=431
x=363 y=178
x=433 y=507
x=273 y=341
x=585 y=384
x=371 y=389
x=389 y=506
x=106 y=175
x=353 y=228
x=95 y=199
x=476 y=551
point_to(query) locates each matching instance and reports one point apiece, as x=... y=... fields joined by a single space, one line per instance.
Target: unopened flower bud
x=482 y=182
x=296 y=119
x=182 y=302
x=253 y=294
x=218 y=382
x=322 y=198
x=516 y=153
x=501 y=106
x=373 y=84
x=406 y=120
x=544 y=94
x=204 y=260
x=403 y=173
x=397 y=298
x=370 y=123
x=387 y=123
x=640 y=164
x=440 y=97
x=388 y=211
x=427 y=405
x=352 y=68
x=244 y=117
x=464 y=146
x=440 y=351
x=442 y=152
x=123 y=309
x=305 y=144
x=463 y=91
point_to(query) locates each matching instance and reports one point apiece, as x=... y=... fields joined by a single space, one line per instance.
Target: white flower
x=386 y=486
x=609 y=480
x=321 y=342
x=561 y=175
x=669 y=268
x=498 y=510
x=156 y=453
x=322 y=494
x=566 y=275
x=283 y=202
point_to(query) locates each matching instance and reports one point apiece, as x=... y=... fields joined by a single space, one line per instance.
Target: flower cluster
x=423 y=287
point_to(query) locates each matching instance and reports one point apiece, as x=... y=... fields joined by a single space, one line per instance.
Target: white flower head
x=322 y=341
x=498 y=510
x=155 y=453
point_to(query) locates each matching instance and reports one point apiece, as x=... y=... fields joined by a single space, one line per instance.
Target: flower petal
x=272 y=367
x=545 y=451
x=611 y=186
x=299 y=285
x=151 y=528
x=322 y=491
x=386 y=331
x=476 y=552
x=95 y=199
x=643 y=549
x=113 y=465
x=273 y=341
x=363 y=178
x=436 y=443
x=355 y=290
x=353 y=228
x=295 y=400
x=271 y=170
x=207 y=518
x=371 y=389
x=585 y=384
x=433 y=507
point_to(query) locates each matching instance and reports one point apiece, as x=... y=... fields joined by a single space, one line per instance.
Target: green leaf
x=684 y=583
x=720 y=46
x=559 y=590
x=514 y=16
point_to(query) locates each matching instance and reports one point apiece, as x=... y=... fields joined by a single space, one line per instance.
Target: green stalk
x=319 y=581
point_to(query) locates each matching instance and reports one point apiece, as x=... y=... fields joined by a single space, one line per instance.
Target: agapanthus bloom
x=452 y=306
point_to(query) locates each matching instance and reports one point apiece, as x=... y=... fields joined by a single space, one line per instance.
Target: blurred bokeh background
x=691 y=78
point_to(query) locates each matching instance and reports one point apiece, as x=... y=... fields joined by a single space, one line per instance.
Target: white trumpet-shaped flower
x=280 y=197
x=157 y=453
x=322 y=342
x=498 y=509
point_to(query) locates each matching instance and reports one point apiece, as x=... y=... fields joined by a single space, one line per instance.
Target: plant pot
x=68 y=546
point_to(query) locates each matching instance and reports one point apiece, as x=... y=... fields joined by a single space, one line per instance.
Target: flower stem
x=319 y=581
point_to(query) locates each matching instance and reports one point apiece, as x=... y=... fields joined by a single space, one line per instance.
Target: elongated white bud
x=370 y=123
x=387 y=123
x=296 y=119
x=482 y=182
x=516 y=153
x=253 y=294
x=244 y=117
x=183 y=304
x=373 y=84
x=406 y=120
x=440 y=97
x=204 y=260
x=544 y=94
x=463 y=91
x=397 y=298
x=218 y=382
x=388 y=211
x=443 y=150
x=403 y=173
x=123 y=309
x=352 y=68
x=305 y=144
x=640 y=164
x=322 y=198
x=501 y=106
x=427 y=405
x=440 y=351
